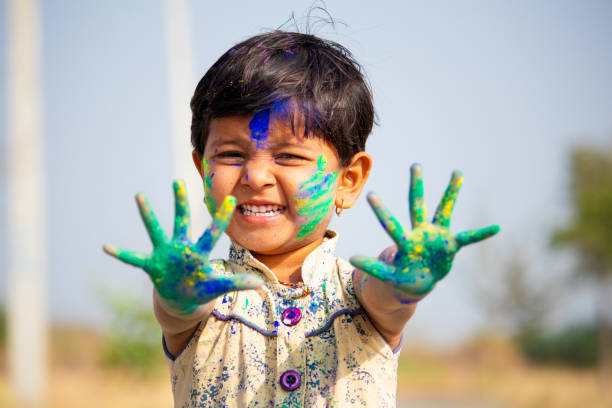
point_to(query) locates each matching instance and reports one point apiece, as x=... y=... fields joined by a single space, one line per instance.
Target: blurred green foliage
x=589 y=234
x=575 y=346
x=520 y=305
x=134 y=341
x=589 y=231
x=524 y=308
x=3 y=329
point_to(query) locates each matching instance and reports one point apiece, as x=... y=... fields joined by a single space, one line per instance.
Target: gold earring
x=339 y=210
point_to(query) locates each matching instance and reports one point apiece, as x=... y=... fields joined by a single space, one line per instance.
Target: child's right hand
x=424 y=255
x=179 y=268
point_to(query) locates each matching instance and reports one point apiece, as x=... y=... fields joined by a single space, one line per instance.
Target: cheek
x=314 y=198
x=220 y=181
x=217 y=184
x=208 y=176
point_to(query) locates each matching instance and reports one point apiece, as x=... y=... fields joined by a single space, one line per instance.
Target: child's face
x=285 y=184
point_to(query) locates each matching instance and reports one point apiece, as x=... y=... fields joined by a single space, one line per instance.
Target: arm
x=185 y=284
x=381 y=303
x=406 y=273
x=177 y=329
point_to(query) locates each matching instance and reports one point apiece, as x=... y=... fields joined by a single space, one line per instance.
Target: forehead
x=259 y=130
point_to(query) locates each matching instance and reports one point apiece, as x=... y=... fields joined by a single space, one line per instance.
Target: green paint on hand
x=418 y=211
x=180 y=268
x=424 y=254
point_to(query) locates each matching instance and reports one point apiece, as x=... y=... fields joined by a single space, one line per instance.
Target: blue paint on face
x=259 y=128
x=281 y=110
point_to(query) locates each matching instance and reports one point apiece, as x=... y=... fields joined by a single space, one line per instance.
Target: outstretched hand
x=424 y=254
x=179 y=268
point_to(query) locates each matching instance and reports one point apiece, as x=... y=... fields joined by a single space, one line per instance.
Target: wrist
x=173 y=307
x=405 y=298
x=383 y=294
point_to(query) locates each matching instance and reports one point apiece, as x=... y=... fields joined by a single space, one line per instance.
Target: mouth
x=267 y=210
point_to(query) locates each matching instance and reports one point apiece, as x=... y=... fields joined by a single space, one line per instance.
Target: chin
x=261 y=242
x=267 y=245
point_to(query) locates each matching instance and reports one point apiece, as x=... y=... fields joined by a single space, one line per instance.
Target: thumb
x=373 y=267
x=388 y=255
x=244 y=281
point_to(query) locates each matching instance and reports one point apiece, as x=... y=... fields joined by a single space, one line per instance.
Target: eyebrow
x=239 y=141
x=284 y=143
x=231 y=139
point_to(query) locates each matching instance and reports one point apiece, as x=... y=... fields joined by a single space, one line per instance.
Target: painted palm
x=178 y=267
x=424 y=255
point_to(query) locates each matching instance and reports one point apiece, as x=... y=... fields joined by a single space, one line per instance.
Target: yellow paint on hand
x=448 y=208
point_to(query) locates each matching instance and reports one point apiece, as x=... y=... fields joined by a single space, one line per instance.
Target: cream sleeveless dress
x=283 y=347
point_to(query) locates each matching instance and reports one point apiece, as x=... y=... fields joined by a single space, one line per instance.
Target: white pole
x=27 y=325
x=182 y=85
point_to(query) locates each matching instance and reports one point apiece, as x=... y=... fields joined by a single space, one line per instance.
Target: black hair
x=320 y=80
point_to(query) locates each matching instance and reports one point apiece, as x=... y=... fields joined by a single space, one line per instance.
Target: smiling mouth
x=262 y=210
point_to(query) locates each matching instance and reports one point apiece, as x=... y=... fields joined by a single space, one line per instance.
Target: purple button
x=290 y=380
x=291 y=316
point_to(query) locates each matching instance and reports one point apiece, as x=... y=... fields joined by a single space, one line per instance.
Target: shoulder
x=344 y=271
x=351 y=324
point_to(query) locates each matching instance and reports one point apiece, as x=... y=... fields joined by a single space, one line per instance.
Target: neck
x=288 y=266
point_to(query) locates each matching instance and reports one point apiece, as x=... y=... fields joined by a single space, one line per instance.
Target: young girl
x=279 y=128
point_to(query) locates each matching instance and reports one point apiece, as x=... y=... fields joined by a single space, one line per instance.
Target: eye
x=229 y=154
x=289 y=158
x=231 y=157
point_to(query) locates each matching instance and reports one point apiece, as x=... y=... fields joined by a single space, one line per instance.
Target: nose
x=258 y=174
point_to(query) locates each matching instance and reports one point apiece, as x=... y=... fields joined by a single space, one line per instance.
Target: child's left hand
x=425 y=254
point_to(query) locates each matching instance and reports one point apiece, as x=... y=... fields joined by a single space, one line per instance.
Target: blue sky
x=500 y=90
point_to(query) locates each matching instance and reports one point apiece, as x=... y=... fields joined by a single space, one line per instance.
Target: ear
x=197 y=160
x=352 y=179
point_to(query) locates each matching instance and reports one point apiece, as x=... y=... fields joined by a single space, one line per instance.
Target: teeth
x=261 y=210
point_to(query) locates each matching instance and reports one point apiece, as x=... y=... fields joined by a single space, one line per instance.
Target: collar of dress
x=316 y=265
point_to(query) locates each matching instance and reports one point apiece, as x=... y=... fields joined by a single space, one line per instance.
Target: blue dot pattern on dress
x=236 y=357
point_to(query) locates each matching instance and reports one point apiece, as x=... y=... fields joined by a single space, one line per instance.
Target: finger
x=472 y=236
x=222 y=284
x=373 y=267
x=156 y=233
x=244 y=281
x=444 y=211
x=391 y=225
x=182 y=220
x=388 y=255
x=133 y=258
x=219 y=223
x=418 y=211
